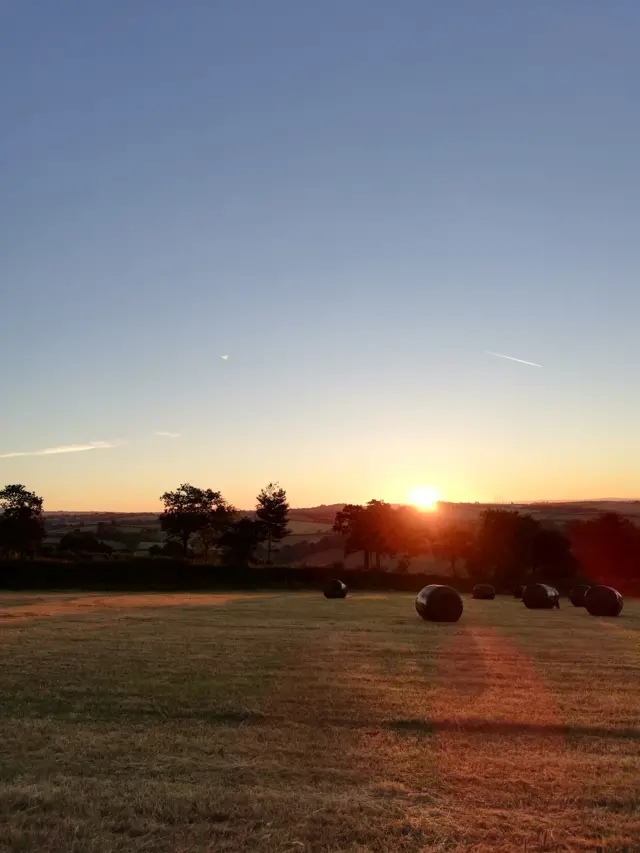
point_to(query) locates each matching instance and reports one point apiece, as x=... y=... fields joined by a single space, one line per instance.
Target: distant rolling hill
x=311 y=539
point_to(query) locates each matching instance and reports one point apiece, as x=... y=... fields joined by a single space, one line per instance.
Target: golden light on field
x=424 y=497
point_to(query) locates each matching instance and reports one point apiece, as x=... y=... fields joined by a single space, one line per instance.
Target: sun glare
x=424 y=497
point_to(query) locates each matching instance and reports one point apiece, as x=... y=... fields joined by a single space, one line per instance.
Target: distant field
x=309 y=528
x=292 y=723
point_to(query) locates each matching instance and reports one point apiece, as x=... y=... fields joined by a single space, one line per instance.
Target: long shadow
x=241 y=717
x=479 y=726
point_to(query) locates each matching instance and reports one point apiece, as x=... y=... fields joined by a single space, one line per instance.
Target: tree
x=607 y=549
x=410 y=535
x=552 y=560
x=272 y=510
x=83 y=542
x=21 y=524
x=190 y=512
x=381 y=530
x=504 y=550
x=513 y=549
x=240 y=541
x=351 y=522
x=209 y=536
x=171 y=548
x=452 y=542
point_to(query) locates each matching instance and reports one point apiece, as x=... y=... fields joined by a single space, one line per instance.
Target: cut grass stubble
x=270 y=723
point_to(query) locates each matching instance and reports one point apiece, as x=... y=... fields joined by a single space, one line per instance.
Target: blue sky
x=355 y=201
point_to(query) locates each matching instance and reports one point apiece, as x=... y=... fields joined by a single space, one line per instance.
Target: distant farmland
x=311 y=536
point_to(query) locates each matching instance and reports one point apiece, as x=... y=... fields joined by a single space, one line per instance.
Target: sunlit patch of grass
x=290 y=722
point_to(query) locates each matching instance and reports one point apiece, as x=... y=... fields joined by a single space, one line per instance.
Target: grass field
x=291 y=723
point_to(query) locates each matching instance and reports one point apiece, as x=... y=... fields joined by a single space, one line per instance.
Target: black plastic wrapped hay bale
x=439 y=603
x=484 y=591
x=577 y=594
x=603 y=601
x=540 y=596
x=517 y=592
x=335 y=589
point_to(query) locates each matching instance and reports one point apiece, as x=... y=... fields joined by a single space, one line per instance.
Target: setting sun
x=424 y=497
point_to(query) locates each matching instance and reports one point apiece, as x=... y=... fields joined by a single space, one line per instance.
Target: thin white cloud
x=168 y=434
x=511 y=358
x=63 y=448
x=224 y=357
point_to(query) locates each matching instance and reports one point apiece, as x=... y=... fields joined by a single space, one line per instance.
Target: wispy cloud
x=168 y=434
x=511 y=358
x=63 y=448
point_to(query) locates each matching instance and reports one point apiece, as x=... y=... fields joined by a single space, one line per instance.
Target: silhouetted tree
x=21 y=524
x=503 y=550
x=171 y=548
x=514 y=549
x=81 y=542
x=272 y=510
x=351 y=522
x=240 y=541
x=553 y=562
x=190 y=512
x=453 y=542
x=208 y=537
x=411 y=535
x=382 y=529
x=607 y=549
x=377 y=529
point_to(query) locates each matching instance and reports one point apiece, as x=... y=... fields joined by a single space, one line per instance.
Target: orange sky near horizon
x=132 y=476
x=142 y=499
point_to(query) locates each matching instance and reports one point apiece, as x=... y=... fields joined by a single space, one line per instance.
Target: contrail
x=65 y=448
x=511 y=358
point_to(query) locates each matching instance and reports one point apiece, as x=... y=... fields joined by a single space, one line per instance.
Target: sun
x=424 y=497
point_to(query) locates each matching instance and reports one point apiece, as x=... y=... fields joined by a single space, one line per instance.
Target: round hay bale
x=517 y=592
x=577 y=594
x=439 y=603
x=335 y=589
x=603 y=601
x=484 y=591
x=540 y=596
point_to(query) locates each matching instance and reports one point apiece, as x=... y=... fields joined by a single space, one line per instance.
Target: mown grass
x=290 y=723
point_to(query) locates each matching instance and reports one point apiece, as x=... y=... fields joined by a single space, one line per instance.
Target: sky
x=359 y=203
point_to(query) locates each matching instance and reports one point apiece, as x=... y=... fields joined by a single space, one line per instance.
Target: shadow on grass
x=114 y=714
x=500 y=727
x=241 y=717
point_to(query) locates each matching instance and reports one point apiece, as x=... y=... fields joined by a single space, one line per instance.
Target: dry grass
x=61 y=605
x=292 y=723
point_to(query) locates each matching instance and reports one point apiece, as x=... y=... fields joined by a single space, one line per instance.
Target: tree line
x=504 y=547
x=193 y=518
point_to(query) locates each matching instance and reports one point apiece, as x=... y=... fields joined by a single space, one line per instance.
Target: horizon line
x=344 y=503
